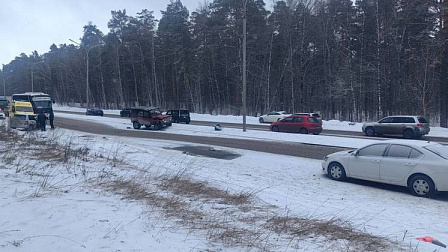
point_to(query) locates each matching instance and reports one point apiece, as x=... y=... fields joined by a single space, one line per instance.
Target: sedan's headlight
x=325 y=158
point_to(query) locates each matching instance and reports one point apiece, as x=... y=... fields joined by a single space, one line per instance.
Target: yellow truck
x=21 y=115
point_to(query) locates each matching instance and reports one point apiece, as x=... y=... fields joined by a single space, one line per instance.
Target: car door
x=398 y=162
x=399 y=124
x=384 y=126
x=275 y=117
x=286 y=125
x=297 y=124
x=365 y=163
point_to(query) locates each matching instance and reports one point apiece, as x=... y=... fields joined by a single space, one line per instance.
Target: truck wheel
x=157 y=126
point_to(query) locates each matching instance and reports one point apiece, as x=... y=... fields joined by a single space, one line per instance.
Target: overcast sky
x=28 y=25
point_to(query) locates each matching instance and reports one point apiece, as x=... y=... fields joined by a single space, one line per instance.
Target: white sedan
x=419 y=165
x=273 y=116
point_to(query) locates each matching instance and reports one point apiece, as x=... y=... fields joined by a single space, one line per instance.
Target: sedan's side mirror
x=355 y=153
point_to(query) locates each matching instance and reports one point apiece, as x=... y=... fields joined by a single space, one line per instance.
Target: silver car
x=27 y=122
x=419 y=165
x=407 y=126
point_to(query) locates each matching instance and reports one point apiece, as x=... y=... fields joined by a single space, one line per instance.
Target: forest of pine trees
x=349 y=60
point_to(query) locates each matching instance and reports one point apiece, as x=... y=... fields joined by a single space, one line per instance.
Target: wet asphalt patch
x=206 y=151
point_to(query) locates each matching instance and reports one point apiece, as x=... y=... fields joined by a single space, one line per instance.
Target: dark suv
x=126 y=112
x=179 y=115
x=408 y=126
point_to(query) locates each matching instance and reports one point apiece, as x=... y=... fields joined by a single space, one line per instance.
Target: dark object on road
x=95 y=112
x=179 y=115
x=42 y=121
x=51 y=117
x=218 y=127
x=207 y=151
x=407 y=126
x=126 y=112
x=149 y=116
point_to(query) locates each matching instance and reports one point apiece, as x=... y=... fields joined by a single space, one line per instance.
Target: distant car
x=273 y=116
x=94 y=111
x=126 y=112
x=179 y=115
x=419 y=165
x=311 y=114
x=149 y=117
x=303 y=124
x=407 y=126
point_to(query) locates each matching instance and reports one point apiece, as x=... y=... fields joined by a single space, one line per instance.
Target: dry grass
x=186 y=187
x=333 y=230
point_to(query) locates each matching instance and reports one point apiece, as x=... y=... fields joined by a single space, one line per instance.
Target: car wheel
x=336 y=171
x=370 y=132
x=275 y=128
x=408 y=134
x=261 y=120
x=136 y=125
x=169 y=124
x=303 y=131
x=187 y=122
x=422 y=186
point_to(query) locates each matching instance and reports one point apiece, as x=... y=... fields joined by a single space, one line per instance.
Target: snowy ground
x=327 y=124
x=60 y=209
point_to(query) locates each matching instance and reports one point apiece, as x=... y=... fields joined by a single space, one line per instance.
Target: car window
x=271 y=113
x=422 y=120
x=21 y=117
x=276 y=113
x=372 y=150
x=297 y=119
x=312 y=120
x=438 y=149
x=315 y=115
x=415 y=154
x=404 y=120
x=399 y=151
x=386 y=120
x=140 y=113
x=168 y=113
x=288 y=120
x=184 y=113
x=175 y=112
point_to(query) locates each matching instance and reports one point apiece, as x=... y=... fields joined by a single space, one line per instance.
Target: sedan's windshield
x=438 y=149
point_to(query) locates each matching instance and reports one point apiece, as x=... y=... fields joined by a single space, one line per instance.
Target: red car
x=302 y=124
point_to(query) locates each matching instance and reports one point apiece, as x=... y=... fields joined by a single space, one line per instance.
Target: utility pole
x=244 y=64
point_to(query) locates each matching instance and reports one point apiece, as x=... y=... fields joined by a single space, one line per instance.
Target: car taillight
x=420 y=125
